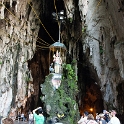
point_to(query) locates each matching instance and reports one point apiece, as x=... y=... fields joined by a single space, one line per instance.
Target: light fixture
x=91 y=109
x=57 y=54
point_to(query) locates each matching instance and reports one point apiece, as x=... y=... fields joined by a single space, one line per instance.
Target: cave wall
x=93 y=34
x=103 y=45
x=19 y=30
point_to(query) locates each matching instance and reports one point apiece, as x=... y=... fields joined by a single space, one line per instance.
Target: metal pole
x=59 y=30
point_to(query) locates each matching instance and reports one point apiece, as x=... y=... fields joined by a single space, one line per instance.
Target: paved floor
x=20 y=122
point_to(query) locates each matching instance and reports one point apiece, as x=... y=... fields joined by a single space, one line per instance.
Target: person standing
x=31 y=118
x=23 y=117
x=90 y=120
x=39 y=118
x=102 y=120
x=97 y=117
x=106 y=115
x=114 y=119
x=83 y=118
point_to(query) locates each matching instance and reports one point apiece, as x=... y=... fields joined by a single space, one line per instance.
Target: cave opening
x=90 y=96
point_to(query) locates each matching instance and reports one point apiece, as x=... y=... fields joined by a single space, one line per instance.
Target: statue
x=57 y=62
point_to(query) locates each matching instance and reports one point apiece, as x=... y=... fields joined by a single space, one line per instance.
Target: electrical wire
x=19 y=20
x=10 y=11
x=41 y=22
x=42 y=43
x=36 y=41
x=42 y=46
x=56 y=12
x=47 y=44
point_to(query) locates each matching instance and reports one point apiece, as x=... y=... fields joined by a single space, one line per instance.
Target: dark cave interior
x=90 y=96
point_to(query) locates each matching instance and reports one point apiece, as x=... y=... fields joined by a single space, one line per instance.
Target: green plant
x=27 y=79
x=62 y=101
x=84 y=28
x=70 y=20
x=101 y=50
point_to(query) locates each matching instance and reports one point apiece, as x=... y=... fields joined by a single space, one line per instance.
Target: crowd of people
x=102 y=118
x=37 y=117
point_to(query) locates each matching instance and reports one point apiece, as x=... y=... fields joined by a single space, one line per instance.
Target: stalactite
x=91 y=51
x=16 y=6
x=10 y=3
x=2 y=12
x=11 y=30
x=29 y=27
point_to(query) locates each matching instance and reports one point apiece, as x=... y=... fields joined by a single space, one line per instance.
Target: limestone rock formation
x=93 y=34
x=103 y=38
x=18 y=34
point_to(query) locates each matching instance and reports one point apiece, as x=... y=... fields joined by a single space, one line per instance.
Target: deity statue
x=57 y=62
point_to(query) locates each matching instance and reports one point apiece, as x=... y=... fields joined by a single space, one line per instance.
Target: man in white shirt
x=31 y=118
x=83 y=118
x=114 y=119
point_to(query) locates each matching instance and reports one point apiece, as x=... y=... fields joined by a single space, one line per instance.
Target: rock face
x=17 y=45
x=103 y=39
x=93 y=35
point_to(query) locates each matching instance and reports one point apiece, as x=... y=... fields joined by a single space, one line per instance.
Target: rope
x=8 y=21
x=10 y=11
x=44 y=41
x=38 y=37
x=41 y=22
x=42 y=46
x=56 y=12
x=18 y=20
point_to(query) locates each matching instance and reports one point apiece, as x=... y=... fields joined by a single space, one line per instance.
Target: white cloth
x=114 y=120
x=89 y=122
x=31 y=117
x=22 y=115
x=82 y=120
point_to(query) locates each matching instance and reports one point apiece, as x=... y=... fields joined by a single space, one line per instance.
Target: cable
x=56 y=12
x=41 y=22
x=24 y=22
x=44 y=41
x=38 y=37
x=8 y=21
x=19 y=20
x=9 y=11
x=41 y=46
